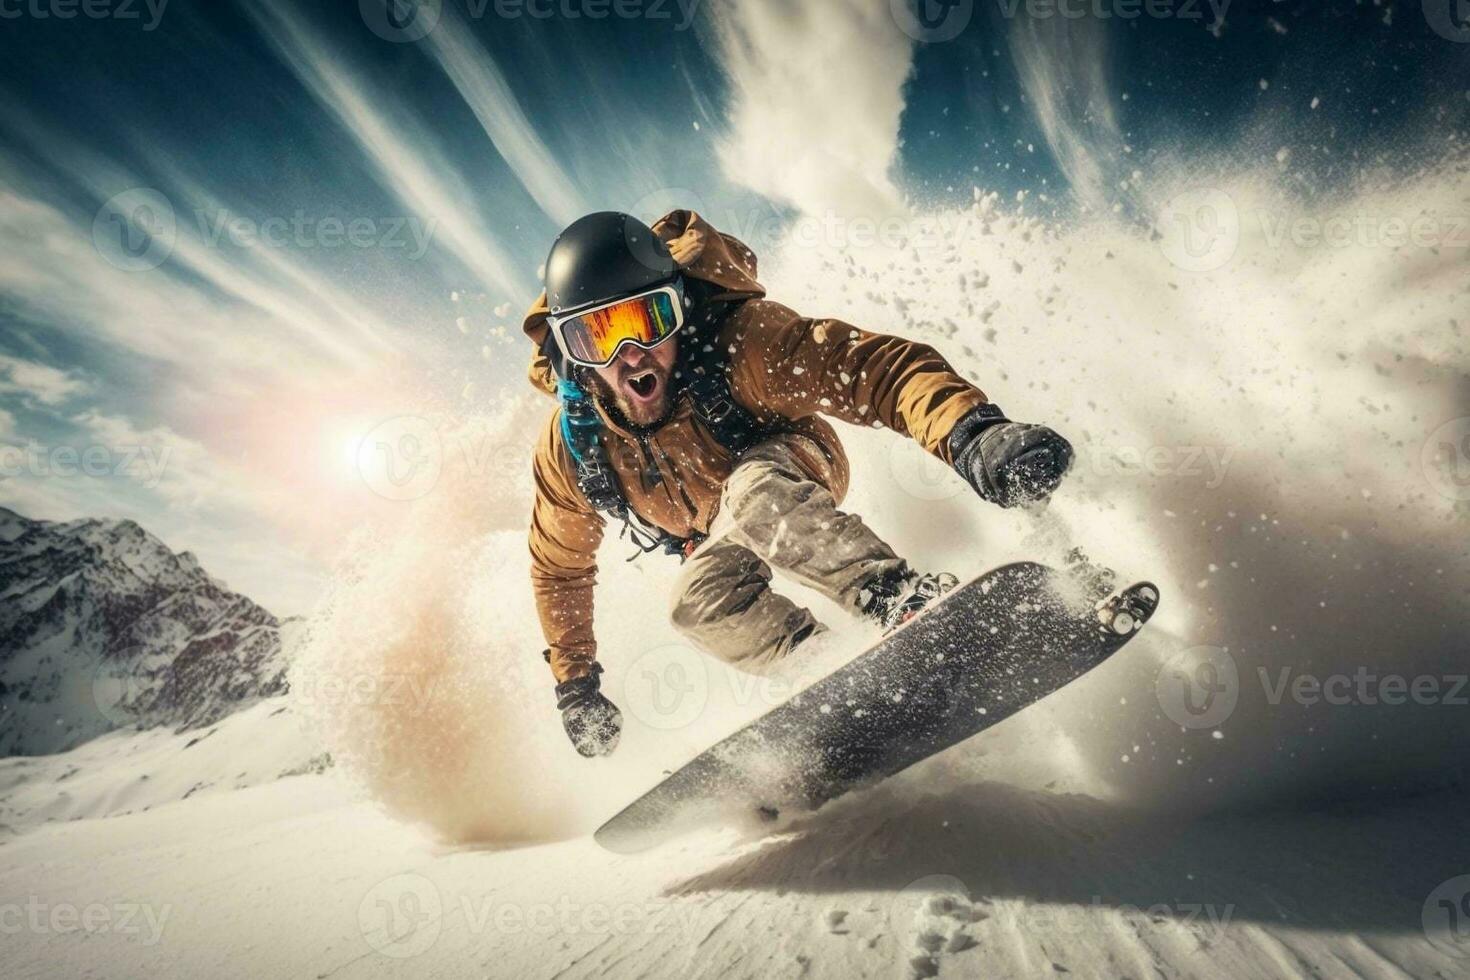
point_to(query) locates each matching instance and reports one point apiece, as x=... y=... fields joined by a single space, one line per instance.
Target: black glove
x=593 y=723
x=1008 y=463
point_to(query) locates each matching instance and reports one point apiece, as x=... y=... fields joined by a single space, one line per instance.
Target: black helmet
x=605 y=256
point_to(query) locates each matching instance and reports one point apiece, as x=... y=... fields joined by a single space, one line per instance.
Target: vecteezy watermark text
x=1363 y=686
x=138 y=230
x=145 y=464
x=122 y=10
x=565 y=917
x=686 y=10
x=402 y=916
x=1113 y=9
x=305 y=231
x=1199 y=688
x=1207 y=463
x=1201 y=229
x=403 y=690
x=1366 y=229
x=407 y=21
x=936 y=21
x=121 y=918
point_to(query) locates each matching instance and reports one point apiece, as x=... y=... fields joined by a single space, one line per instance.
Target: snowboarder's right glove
x=593 y=723
x=1008 y=463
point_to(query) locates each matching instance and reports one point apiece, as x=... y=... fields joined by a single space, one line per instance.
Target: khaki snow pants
x=772 y=513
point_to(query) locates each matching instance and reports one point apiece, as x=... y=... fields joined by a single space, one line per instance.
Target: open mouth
x=643 y=385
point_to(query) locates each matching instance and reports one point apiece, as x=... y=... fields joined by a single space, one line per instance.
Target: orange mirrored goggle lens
x=594 y=338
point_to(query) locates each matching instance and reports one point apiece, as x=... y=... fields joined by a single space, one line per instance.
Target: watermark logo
x=932 y=21
x=401 y=459
x=937 y=912
x=118 y=692
x=1446 y=917
x=401 y=21
x=1445 y=459
x=668 y=687
x=135 y=230
x=922 y=475
x=401 y=916
x=1450 y=19
x=1199 y=687
x=936 y=894
x=657 y=203
x=1199 y=229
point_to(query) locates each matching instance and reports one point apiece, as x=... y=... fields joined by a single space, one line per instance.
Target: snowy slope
x=128 y=771
x=293 y=878
x=101 y=626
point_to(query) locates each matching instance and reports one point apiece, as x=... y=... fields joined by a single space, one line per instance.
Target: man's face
x=637 y=382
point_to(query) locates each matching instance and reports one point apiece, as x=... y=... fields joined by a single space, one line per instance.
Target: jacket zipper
x=652 y=476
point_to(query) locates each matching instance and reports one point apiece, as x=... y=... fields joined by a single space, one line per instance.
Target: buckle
x=719 y=411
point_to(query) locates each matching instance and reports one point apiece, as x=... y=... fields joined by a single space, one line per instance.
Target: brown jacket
x=783 y=367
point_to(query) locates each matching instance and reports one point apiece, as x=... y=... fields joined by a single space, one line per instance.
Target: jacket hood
x=701 y=252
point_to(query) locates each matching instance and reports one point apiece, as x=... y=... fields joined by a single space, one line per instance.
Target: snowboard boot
x=893 y=599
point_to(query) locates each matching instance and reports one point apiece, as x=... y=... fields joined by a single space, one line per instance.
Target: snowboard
x=988 y=649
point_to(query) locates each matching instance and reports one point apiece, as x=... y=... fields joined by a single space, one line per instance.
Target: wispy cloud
x=54 y=272
x=489 y=96
x=1063 y=66
x=32 y=381
x=305 y=308
x=401 y=150
x=271 y=280
x=183 y=470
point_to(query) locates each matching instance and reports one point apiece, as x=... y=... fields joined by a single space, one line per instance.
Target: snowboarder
x=692 y=411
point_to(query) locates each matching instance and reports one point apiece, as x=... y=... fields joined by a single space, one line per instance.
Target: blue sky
x=334 y=222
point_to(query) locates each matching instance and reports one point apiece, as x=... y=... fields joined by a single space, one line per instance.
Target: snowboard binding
x=1118 y=613
x=1126 y=612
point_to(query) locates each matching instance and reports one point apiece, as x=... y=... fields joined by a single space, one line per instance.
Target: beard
x=623 y=412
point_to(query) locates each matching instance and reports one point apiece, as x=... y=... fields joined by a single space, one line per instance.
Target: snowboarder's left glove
x=1008 y=463
x=593 y=723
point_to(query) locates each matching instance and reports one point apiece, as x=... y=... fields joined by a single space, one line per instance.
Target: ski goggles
x=592 y=338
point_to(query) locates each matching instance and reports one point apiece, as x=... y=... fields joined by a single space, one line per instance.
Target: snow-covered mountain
x=103 y=626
